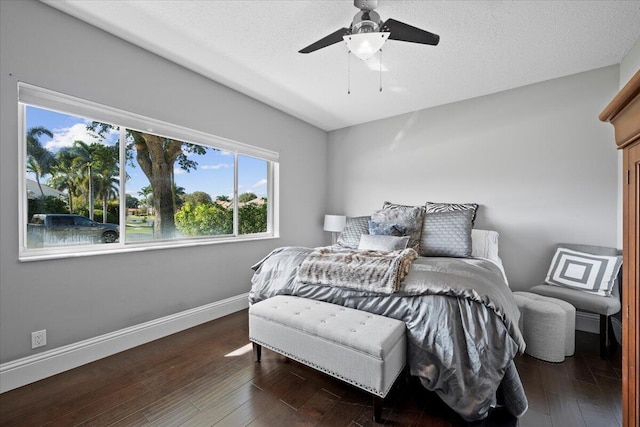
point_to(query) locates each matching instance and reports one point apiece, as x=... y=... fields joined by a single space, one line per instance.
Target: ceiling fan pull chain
x=380 y=70
x=349 y=72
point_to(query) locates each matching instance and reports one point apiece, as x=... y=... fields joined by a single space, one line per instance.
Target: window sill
x=48 y=254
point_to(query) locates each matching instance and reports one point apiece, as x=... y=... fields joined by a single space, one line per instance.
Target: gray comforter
x=461 y=324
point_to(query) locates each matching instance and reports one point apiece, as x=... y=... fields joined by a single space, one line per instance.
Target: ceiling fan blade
x=332 y=38
x=407 y=33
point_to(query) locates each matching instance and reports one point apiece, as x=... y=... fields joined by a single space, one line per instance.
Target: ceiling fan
x=367 y=33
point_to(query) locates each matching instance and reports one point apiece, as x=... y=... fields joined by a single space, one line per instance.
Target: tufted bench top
x=361 y=331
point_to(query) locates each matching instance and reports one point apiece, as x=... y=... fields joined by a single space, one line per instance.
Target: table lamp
x=335 y=224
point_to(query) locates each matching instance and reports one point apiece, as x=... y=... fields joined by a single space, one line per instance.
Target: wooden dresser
x=623 y=112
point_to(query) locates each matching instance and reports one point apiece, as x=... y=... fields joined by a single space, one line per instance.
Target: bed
x=461 y=317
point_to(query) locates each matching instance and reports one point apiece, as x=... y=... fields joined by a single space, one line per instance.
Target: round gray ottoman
x=547 y=325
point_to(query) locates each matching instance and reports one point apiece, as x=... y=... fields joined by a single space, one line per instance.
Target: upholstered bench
x=363 y=349
x=547 y=325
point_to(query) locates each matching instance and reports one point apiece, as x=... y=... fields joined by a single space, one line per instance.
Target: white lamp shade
x=365 y=45
x=334 y=223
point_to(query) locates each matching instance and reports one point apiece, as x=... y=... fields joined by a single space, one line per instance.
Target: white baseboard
x=587 y=322
x=29 y=369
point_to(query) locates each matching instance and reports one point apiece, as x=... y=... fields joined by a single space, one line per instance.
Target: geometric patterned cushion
x=448 y=207
x=353 y=229
x=447 y=234
x=590 y=273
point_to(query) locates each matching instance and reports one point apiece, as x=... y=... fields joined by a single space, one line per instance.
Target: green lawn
x=139 y=227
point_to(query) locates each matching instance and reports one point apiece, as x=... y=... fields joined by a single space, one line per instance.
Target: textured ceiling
x=485 y=47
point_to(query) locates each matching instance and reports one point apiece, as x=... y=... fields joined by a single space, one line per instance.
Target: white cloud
x=178 y=171
x=216 y=167
x=64 y=137
x=260 y=183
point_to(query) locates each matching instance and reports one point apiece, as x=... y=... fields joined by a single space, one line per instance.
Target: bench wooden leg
x=257 y=352
x=377 y=408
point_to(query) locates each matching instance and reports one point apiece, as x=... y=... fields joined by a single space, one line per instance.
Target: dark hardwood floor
x=205 y=376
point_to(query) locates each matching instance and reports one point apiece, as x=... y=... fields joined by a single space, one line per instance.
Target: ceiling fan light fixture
x=365 y=45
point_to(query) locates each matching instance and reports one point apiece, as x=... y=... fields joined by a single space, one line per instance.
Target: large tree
x=198 y=197
x=157 y=157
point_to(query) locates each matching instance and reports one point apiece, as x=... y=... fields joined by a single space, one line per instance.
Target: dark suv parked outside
x=72 y=227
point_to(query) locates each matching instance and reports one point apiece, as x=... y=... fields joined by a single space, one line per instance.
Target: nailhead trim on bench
x=326 y=371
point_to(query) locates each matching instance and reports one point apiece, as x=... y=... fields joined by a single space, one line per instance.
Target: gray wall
x=630 y=64
x=536 y=158
x=76 y=299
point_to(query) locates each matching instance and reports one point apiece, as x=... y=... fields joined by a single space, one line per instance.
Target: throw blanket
x=374 y=271
x=461 y=317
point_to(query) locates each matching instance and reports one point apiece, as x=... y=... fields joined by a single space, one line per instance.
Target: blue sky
x=214 y=174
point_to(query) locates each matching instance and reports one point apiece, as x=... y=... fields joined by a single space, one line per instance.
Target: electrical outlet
x=39 y=338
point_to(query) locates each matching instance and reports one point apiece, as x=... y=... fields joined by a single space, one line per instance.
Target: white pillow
x=484 y=244
x=590 y=273
x=375 y=242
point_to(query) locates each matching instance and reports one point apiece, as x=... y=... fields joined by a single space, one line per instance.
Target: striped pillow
x=590 y=273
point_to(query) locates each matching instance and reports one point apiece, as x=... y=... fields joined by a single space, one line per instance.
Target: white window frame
x=30 y=95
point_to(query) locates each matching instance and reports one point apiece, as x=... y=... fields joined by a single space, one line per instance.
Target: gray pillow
x=408 y=216
x=353 y=229
x=431 y=207
x=447 y=234
x=383 y=243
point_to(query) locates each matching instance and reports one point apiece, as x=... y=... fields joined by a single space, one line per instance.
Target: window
x=253 y=199
x=97 y=179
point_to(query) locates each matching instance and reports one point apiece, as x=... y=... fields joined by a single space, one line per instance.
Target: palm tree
x=107 y=179
x=39 y=159
x=34 y=167
x=147 y=195
x=65 y=176
x=83 y=159
x=107 y=188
